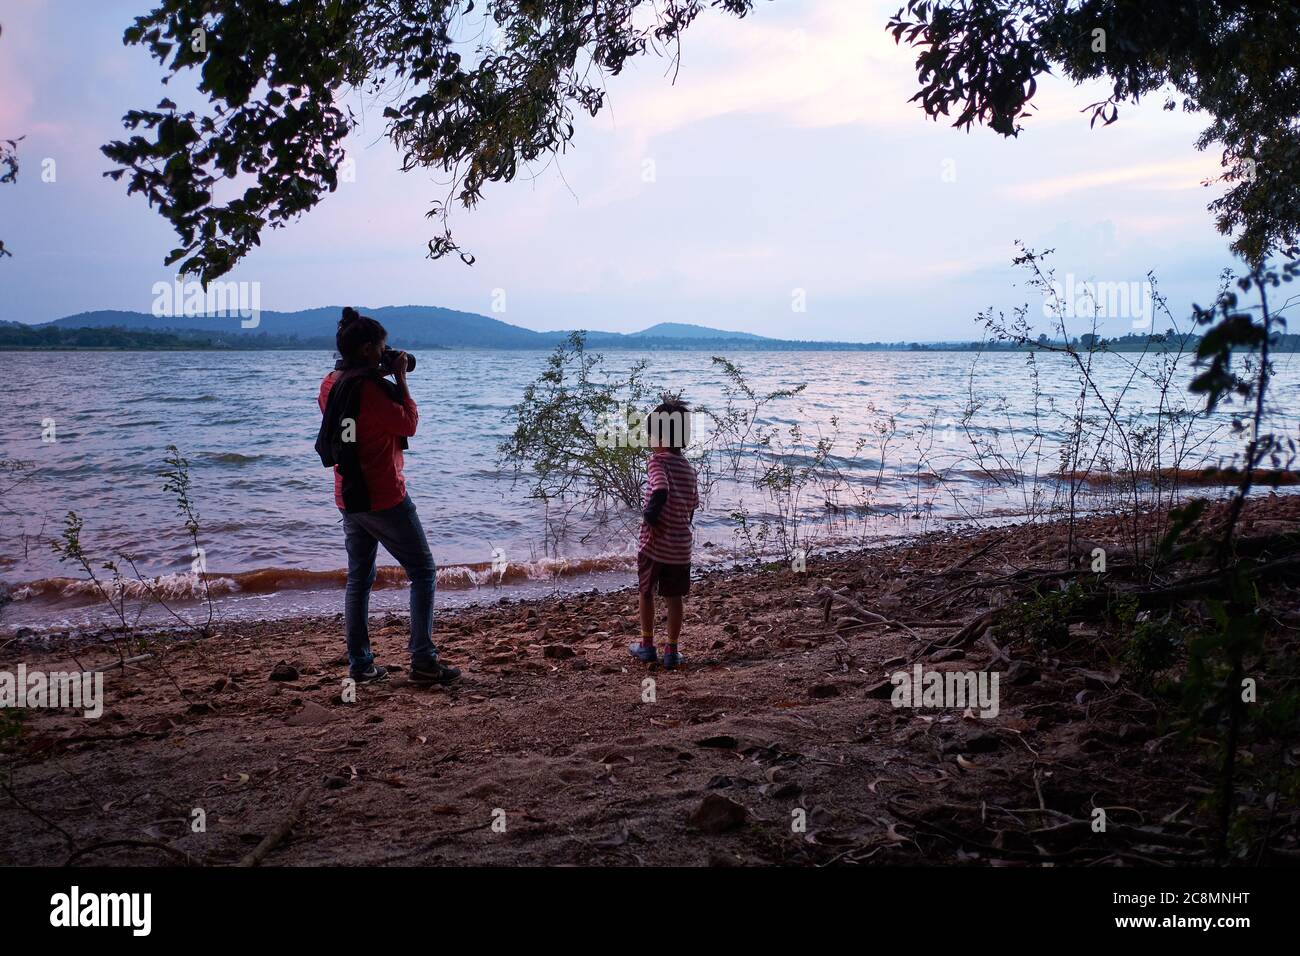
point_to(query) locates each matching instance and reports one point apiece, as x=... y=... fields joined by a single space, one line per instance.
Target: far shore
x=703 y=345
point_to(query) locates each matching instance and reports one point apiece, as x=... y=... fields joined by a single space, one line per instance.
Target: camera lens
x=390 y=360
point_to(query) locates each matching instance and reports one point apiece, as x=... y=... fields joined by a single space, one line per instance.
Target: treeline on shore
x=15 y=335
x=18 y=336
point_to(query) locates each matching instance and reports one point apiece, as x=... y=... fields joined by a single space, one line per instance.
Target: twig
x=826 y=594
x=273 y=839
x=122 y=663
x=13 y=795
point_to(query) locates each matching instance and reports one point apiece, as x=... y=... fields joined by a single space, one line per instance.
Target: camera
x=388 y=361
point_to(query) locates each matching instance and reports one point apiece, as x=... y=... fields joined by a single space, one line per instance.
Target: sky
x=781 y=185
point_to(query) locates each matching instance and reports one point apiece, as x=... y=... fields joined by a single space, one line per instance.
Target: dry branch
x=826 y=594
x=273 y=839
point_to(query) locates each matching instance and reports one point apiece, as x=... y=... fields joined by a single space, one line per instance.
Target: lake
x=272 y=536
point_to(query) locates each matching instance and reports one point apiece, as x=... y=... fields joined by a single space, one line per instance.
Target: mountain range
x=423 y=326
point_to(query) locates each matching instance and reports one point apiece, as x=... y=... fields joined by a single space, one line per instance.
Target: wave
x=1193 y=477
x=189 y=586
x=229 y=458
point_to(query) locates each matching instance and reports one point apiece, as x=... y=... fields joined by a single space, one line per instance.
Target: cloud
x=1174 y=175
x=833 y=65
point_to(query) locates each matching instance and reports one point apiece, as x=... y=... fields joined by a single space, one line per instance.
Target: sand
x=778 y=744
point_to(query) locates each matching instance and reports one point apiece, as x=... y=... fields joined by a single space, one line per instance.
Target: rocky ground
x=779 y=744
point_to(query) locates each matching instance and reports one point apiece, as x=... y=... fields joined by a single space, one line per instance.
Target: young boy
x=664 y=559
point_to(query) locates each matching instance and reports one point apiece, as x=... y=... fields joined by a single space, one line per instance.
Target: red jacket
x=381 y=422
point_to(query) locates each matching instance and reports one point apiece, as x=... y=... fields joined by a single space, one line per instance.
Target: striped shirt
x=669 y=540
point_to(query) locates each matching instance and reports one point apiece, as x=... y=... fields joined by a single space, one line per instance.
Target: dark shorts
x=673 y=580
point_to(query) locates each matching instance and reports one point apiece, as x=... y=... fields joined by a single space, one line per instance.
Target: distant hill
x=421 y=326
x=416 y=326
x=680 y=330
x=429 y=327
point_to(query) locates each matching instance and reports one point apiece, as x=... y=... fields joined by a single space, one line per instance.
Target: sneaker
x=646 y=655
x=371 y=675
x=672 y=659
x=433 y=672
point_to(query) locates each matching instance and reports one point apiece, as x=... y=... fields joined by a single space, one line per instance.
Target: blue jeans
x=398 y=529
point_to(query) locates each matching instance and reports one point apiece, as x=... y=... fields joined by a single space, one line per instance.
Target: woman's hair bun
x=355 y=330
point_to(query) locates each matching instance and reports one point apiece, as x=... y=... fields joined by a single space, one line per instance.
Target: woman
x=365 y=423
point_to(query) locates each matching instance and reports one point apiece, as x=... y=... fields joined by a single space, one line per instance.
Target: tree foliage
x=579 y=436
x=8 y=169
x=477 y=93
x=556 y=429
x=1236 y=61
x=458 y=101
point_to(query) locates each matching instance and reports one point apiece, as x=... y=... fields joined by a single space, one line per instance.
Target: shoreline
x=284 y=593
x=610 y=577
x=465 y=591
x=273 y=593
x=785 y=706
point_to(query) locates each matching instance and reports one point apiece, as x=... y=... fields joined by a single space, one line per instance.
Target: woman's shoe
x=372 y=675
x=434 y=672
